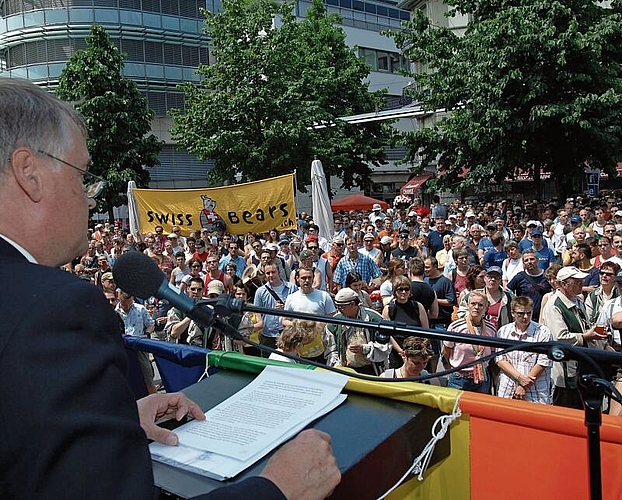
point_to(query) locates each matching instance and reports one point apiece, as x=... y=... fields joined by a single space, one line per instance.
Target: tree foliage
x=533 y=85
x=272 y=80
x=117 y=116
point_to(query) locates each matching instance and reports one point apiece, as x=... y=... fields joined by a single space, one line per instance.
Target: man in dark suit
x=69 y=426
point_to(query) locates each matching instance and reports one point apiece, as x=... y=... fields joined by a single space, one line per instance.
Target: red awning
x=357 y=202
x=413 y=184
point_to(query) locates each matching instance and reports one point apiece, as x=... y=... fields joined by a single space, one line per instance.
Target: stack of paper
x=278 y=404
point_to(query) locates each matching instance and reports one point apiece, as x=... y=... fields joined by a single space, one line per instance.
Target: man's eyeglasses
x=403 y=289
x=523 y=313
x=310 y=247
x=91 y=190
x=198 y=289
x=604 y=273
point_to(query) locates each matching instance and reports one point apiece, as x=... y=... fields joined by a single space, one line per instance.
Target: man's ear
x=27 y=170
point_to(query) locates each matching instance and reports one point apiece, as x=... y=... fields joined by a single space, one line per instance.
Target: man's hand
x=524 y=380
x=305 y=468
x=592 y=334
x=156 y=406
x=519 y=392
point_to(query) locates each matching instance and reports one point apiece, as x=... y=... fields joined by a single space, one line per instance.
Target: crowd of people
x=532 y=271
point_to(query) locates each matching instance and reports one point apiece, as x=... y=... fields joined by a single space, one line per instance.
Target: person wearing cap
x=530 y=282
x=285 y=252
x=385 y=247
x=565 y=315
x=107 y=283
x=138 y=323
x=173 y=238
x=370 y=250
x=180 y=328
x=527 y=241
x=617 y=219
x=355 y=261
x=376 y=213
x=524 y=375
x=545 y=255
x=353 y=346
x=404 y=250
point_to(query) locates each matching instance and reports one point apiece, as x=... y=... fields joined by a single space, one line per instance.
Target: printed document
x=278 y=404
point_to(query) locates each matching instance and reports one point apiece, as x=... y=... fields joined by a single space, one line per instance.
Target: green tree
x=532 y=84
x=273 y=79
x=117 y=116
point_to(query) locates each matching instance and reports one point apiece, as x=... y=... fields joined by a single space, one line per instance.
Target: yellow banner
x=253 y=206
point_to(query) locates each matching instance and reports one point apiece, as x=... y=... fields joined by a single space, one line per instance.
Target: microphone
x=140 y=276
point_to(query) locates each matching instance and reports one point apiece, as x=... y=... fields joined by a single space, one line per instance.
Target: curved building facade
x=164 y=44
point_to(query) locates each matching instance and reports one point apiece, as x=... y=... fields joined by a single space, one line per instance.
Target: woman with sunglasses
x=605 y=291
x=403 y=309
x=396 y=268
x=196 y=269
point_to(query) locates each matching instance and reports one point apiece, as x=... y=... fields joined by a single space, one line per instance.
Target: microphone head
x=138 y=275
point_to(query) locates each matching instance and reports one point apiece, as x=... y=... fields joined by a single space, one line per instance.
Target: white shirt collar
x=20 y=249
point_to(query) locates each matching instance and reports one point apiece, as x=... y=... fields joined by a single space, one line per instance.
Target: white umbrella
x=133 y=210
x=322 y=213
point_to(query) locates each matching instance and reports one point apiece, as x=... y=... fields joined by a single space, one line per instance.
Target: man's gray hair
x=32 y=117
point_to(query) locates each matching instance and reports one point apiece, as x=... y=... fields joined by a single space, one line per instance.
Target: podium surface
x=374 y=441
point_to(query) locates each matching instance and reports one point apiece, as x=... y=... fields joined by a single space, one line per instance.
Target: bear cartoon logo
x=210 y=220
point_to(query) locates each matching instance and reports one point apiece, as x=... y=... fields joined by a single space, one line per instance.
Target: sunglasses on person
x=403 y=289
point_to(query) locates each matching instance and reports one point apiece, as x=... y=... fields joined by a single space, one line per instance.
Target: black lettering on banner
x=246 y=216
x=149 y=216
x=273 y=212
x=188 y=220
x=162 y=218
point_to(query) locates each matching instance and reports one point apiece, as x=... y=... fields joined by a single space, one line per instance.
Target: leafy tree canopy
x=117 y=116
x=532 y=84
x=274 y=78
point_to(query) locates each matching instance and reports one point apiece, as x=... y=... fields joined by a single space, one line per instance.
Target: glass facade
x=163 y=41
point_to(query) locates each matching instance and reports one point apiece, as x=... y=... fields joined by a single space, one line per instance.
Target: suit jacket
x=69 y=426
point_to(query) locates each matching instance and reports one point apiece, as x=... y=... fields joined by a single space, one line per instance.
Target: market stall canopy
x=413 y=184
x=357 y=202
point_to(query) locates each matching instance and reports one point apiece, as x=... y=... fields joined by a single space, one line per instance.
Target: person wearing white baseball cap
x=565 y=315
x=376 y=213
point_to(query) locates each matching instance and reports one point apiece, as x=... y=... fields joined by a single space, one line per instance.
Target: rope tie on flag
x=439 y=430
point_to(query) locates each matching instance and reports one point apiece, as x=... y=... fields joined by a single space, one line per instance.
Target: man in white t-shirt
x=309 y=300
